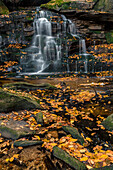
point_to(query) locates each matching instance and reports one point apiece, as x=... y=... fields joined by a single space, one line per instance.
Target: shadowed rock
x=14 y=129
x=108 y=122
x=26 y=143
x=39 y=118
x=74 y=133
x=12 y=102
x=65 y=157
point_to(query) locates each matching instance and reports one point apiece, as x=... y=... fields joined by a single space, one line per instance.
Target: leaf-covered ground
x=64 y=106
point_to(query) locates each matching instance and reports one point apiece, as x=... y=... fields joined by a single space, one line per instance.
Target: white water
x=46 y=48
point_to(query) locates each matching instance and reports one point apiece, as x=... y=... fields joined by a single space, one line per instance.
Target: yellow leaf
x=84 y=159
x=82 y=150
x=20 y=147
x=7 y=160
x=39 y=125
x=16 y=155
x=88 y=139
x=104 y=156
x=53 y=144
x=37 y=137
x=89 y=167
x=11 y=159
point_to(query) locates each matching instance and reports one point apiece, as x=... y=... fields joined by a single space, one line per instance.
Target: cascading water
x=50 y=44
x=0 y=40
x=82 y=52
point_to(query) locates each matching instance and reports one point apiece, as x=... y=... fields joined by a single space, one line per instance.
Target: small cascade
x=82 y=47
x=82 y=52
x=72 y=28
x=0 y=40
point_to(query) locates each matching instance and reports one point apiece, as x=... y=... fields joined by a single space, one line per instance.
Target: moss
x=13 y=134
x=109 y=37
x=27 y=143
x=64 y=156
x=74 y=132
x=54 y=4
x=108 y=122
x=3 y=9
x=104 y=5
x=14 y=102
x=25 y=85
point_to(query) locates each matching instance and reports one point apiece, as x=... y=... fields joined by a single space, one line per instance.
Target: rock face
x=14 y=129
x=65 y=157
x=108 y=122
x=11 y=102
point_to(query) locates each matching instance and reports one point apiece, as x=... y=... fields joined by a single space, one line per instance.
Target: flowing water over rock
x=50 y=46
x=44 y=42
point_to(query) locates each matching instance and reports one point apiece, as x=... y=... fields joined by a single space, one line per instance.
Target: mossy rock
x=108 y=122
x=39 y=118
x=104 y=5
x=27 y=143
x=3 y=9
x=74 y=133
x=15 y=129
x=109 y=36
x=28 y=86
x=65 y=157
x=12 y=102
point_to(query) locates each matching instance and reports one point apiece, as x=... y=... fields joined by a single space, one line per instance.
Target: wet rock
x=14 y=129
x=13 y=102
x=108 y=122
x=74 y=132
x=65 y=157
x=39 y=118
x=26 y=143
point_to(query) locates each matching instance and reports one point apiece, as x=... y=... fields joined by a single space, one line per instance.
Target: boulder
x=108 y=122
x=74 y=133
x=65 y=157
x=14 y=129
x=26 y=143
x=13 y=102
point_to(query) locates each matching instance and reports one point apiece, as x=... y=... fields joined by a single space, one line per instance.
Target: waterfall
x=50 y=46
x=44 y=48
x=82 y=46
x=71 y=28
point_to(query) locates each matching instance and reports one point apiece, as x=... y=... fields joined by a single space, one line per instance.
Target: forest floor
x=80 y=103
